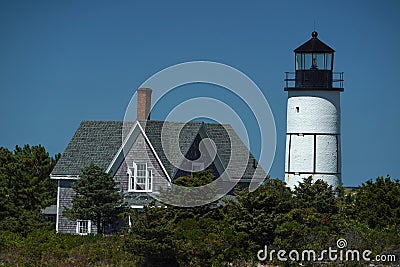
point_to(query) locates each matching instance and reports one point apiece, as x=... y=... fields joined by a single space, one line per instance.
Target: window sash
x=141 y=170
x=140 y=178
x=149 y=179
x=131 y=176
x=83 y=227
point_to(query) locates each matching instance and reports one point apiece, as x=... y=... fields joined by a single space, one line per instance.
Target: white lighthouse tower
x=313 y=116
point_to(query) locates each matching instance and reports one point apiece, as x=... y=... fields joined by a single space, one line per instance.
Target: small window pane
x=83 y=227
x=141 y=170
x=320 y=61
x=131 y=178
x=143 y=179
x=140 y=186
x=329 y=61
x=307 y=61
x=299 y=64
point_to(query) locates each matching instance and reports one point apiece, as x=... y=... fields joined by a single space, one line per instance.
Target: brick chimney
x=144 y=104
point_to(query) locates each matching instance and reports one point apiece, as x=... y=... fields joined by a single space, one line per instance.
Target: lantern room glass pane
x=299 y=64
x=328 y=60
x=307 y=61
x=316 y=61
x=320 y=62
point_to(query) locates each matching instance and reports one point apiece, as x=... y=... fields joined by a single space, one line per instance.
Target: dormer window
x=140 y=178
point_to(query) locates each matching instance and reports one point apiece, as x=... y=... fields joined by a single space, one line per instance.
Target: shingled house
x=134 y=154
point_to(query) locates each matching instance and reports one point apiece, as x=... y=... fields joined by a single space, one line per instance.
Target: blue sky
x=62 y=62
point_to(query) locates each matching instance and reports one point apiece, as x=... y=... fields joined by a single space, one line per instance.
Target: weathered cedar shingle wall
x=140 y=152
x=65 y=225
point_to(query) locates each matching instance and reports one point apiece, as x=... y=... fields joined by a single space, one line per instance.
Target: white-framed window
x=83 y=227
x=140 y=178
x=197 y=166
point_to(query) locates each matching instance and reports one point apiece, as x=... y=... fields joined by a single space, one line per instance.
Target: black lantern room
x=314 y=67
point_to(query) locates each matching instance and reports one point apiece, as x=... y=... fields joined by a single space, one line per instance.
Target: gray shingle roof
x=94 y=142
x=223 y=135
x=98 y=141
x=172 y=129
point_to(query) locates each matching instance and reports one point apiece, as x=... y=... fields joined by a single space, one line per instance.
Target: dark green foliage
x=378 y=203
x=151 y=238
x=255 y=216
x=175 y=236
x=370 y=216
x=43 y=247
x=311 y=221
x=97 y=198
x=25 y=187
x=183 y=189
x=312 y=216
x=198 y=179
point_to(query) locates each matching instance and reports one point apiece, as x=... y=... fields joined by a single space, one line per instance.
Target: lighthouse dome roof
x=314 y=45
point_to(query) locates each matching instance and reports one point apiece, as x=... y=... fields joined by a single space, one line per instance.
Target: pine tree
x=377 y=203
x=97 y=198
x=25 y=187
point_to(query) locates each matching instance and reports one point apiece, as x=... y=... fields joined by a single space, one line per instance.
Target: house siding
x=141 y=152
x=65 y=192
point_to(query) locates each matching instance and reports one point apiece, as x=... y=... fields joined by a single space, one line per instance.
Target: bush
x=47 y=248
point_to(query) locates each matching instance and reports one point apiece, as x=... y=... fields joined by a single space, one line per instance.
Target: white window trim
x=198 y=164
x=130 y=175
x=89 y=227
x=58 y=204
x=132 y=186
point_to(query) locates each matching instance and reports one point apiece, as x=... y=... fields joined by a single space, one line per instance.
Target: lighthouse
x=313 y=115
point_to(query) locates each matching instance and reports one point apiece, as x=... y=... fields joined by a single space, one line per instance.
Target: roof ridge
x=101 y=121
x=145 y=121
x=184 y=122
